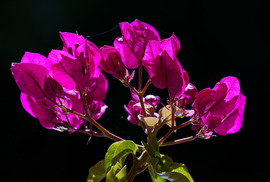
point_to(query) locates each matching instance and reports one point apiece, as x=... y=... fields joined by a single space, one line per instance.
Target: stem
x=131 y=87
x=146 y=86
x=92 y=133
x=105 y=133
x=96 y=124
x=140 y=95
x=172 y=127
x=139 y=165
x=175 y=128
x=173 y=117
x=140 y=77
x=183 y=140
x=184 y=124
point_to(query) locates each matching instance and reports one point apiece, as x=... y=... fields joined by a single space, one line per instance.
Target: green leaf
x=116 y=174
x=110 y=177
x=118 y=150
x=167 y=169
x=181 y=168
x=122 y=175
x=180 y=173
x=172 y=171
x=154 y=176
x=97 y=172
x=153 y=147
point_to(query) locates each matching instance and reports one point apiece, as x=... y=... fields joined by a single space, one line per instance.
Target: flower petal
x=71 y=41
x=133 y=42
x=233 y=86
x=128 y=57
x=100 y=88
x=176 y=83
x=26 y=104
x=36 y=58
x=212 y=122
x=240 y=114
x=98 y=108
x=155 y=65
x=111 y=62
x=65 y=69
x=144 y=30
x=30 y=78
x=171 y=45
x=45 y=116
x=203 y=99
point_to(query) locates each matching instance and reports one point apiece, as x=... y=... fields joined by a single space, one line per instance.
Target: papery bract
x=26 y=104
x=65 y=69
x=52 y=88
x=85 y=51
x=190 y=92
x=97 y=109
x=131 y=45
x=133 y=112
x=221 y=108
x=134 y=109
x=171 y=46
x=155 y=65
x=212 y=122
x=71 y=42
x=188 y=96
x=233 y=121
x=46 y=117
x=98 y=89
x=86 y=72
x=220 y=100
x=152 y=100
x=163 y=67
x=36 y=58
x=204 y=98
x=30 y=78
x=71 y=100
x=229 y=92
x=61 y=76
x=89 y=56
x=111 y=62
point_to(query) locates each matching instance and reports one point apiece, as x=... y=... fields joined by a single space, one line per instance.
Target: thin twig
x=182 y=140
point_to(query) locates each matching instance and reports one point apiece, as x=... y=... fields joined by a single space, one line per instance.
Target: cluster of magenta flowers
x=65 y=91
x=67 y=88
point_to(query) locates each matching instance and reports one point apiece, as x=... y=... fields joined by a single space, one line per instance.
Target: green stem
x=139 y=165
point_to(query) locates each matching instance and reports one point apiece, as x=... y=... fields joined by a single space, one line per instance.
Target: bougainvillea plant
x=66 y=89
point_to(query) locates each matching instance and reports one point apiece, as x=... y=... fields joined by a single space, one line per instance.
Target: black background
x=218 y=38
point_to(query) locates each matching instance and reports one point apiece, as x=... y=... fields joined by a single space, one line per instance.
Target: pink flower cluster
x=67 y=84
x=68 y=79
x=221 y=108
